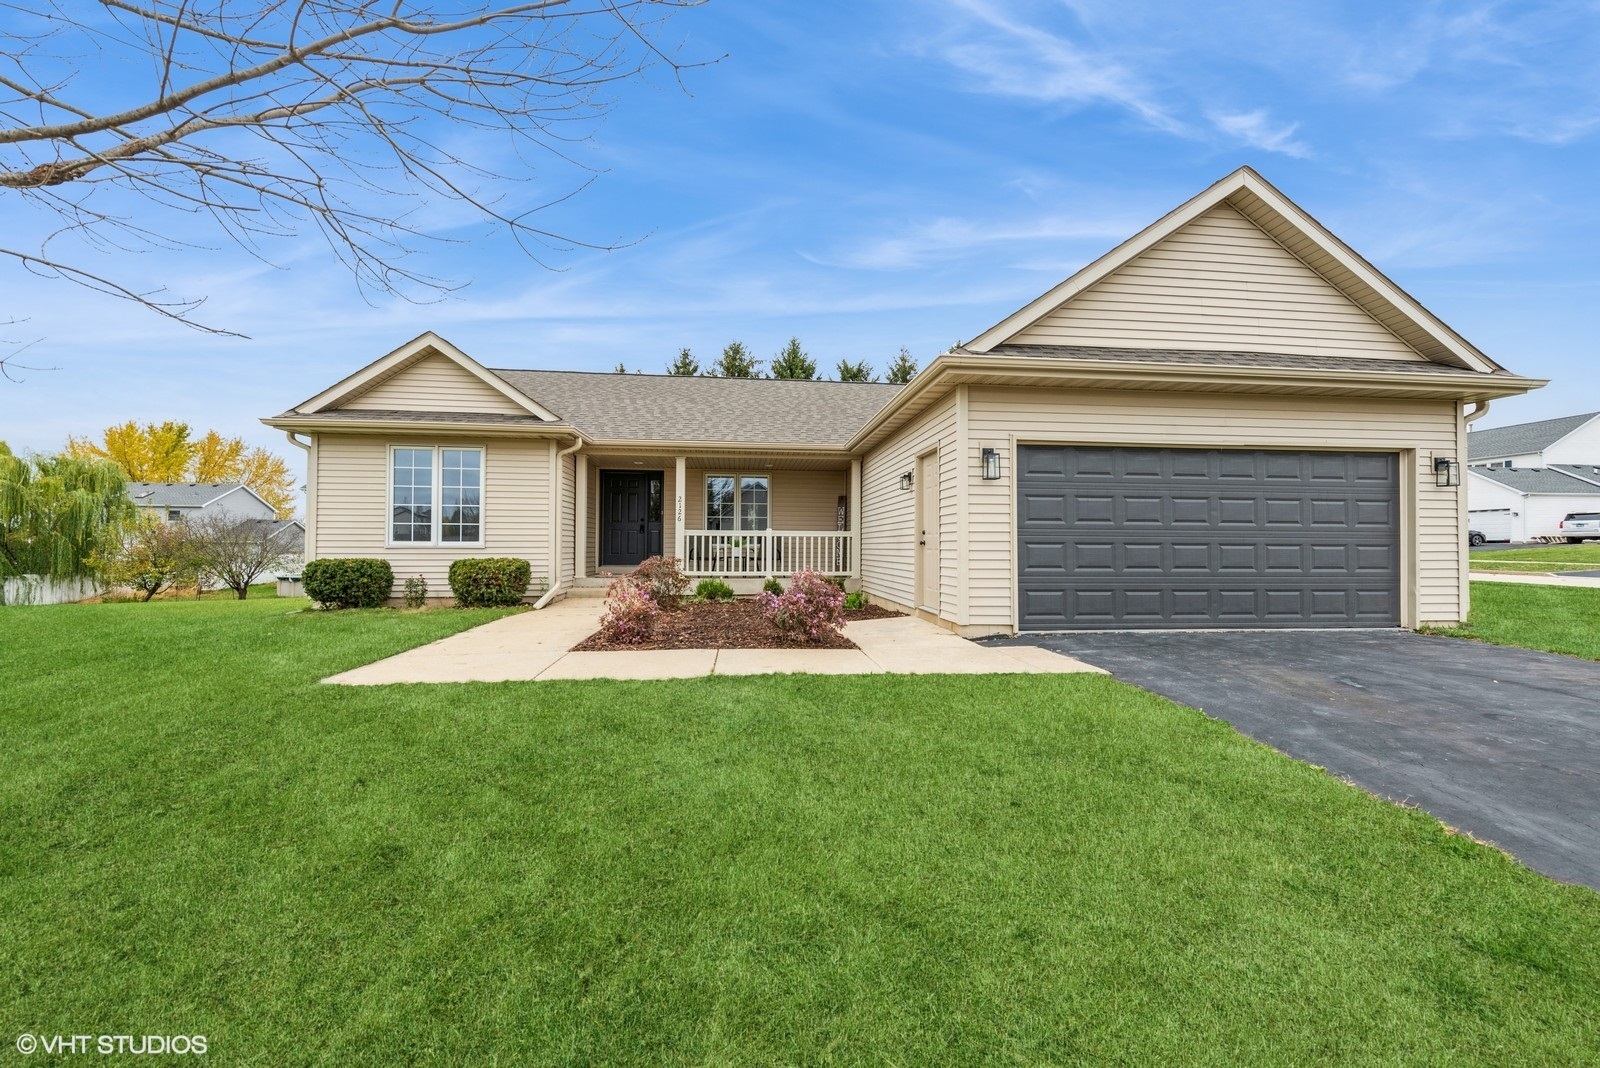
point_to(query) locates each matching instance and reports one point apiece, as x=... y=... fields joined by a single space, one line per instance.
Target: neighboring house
x=1524 y=478
x=1516 y=504
x=173 y=502
x=1572 y=439
x=1230 y=420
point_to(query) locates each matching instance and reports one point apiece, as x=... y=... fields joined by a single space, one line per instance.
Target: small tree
x=685 y=366
x=59 y=515
x=856 y=372
x=903 y=369
x=236 y=551
x=735 y=362
x=620 y=369
x=154 y=556
x=792 y=362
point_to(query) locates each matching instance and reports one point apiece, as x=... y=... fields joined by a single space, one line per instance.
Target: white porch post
x=854 y=505
x=679 y=536
x=580 y=539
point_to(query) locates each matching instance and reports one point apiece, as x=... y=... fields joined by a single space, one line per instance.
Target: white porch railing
x=767 y=552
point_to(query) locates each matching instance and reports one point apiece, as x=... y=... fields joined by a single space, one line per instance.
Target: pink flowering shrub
x=630 y=616
x=812 y=607
x=663 y=580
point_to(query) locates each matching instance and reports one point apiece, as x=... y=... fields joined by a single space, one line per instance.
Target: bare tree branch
x=353 y=116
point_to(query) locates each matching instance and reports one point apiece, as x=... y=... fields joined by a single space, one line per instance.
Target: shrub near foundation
x=348 y=582
x=631 y=613
x=812 y=607
x=713 y=589
x=490 y=582
x=663 y=580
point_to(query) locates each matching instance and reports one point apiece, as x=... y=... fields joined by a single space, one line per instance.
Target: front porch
x=731 y=516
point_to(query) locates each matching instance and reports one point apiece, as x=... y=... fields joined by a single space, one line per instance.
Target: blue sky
x=876 y=174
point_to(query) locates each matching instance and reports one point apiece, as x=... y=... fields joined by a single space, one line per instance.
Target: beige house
x=1231 y=419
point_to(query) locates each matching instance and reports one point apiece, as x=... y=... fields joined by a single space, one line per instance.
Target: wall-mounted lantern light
x=1446 y=471
x=991 y=464
x=905 y=481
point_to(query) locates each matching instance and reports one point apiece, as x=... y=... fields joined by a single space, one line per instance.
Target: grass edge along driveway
x=199 y=838
x=1553 y=619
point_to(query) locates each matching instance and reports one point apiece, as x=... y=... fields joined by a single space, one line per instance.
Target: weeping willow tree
x=57 y=513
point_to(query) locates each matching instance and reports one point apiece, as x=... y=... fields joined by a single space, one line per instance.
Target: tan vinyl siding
x=1219 y=284
x=888 y=513
x=353 y=507
x=567 y=525
x=434 y=384
x=1002 y=418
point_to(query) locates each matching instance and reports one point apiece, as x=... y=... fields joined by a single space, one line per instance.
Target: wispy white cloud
x=1258 y=130
x=948 y=238
x=1011 y=57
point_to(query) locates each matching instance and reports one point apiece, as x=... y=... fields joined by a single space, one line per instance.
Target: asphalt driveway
x=1501 y=742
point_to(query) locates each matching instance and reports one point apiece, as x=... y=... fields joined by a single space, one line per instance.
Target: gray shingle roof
x=714 y=410
x=1520 y=438
x=1199 y=357
x=1538 y=480
x=178 y=494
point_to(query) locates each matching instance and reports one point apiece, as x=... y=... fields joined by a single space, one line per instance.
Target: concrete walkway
x=537 y=645
x=1539 y=578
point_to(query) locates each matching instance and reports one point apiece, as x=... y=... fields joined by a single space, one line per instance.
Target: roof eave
x=293 y=422
x=950 y=369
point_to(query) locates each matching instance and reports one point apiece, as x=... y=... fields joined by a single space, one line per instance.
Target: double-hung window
x=737 y=502
x=435 y=495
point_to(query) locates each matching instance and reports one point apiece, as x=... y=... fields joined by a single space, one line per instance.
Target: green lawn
x=1530 y=565
x=195 y=837
x=1555 y=619
x=1587 y=552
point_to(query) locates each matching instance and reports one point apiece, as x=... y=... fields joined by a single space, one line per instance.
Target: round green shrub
x=490 y=582
x=772 y=586
x=711 y=589
x=348 y=582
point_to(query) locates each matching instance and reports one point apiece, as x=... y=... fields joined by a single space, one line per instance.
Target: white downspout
x=555 y=522
x=310 y=548
x=1479 y=410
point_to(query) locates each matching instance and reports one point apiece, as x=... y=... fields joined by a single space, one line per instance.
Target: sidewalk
x=1537 y=578
x=536 y=645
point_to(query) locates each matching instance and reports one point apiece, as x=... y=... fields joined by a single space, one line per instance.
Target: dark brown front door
x=630 y=516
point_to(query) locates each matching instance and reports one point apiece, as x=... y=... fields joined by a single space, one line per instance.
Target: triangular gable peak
x=1239 y=268
x=427 y=373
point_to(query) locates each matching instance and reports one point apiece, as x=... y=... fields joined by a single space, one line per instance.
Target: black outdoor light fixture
x=1446 y=471
x=991 y=464
x=905 y=481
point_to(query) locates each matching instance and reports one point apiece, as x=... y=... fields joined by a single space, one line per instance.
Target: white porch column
x=580 y=537
x=854 y=505
x=679 y=537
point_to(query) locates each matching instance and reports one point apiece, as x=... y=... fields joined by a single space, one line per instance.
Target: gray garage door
x=1149 y=538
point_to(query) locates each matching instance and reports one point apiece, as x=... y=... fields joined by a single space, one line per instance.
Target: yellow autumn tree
x=168 y=452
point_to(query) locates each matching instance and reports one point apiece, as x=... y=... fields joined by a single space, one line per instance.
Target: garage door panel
x=1207 y=538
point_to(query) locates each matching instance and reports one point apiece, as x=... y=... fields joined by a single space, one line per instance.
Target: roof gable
x=186 y=494
x=1519 y=439
x=1205 y=263
x=1537 y=480
x=427 y=373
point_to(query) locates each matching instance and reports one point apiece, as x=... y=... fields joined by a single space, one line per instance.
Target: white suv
x=1579 y=526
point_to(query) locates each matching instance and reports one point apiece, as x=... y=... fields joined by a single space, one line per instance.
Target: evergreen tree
x=685 y=366
x=735 y=362
x=856 y=372
x=903 y=369
x=619 y=369
x=792 y=362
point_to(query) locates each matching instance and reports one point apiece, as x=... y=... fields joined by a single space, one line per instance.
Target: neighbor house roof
x=1538 y=480
x=721 y=411
x=182 y=494
x=1521 y=438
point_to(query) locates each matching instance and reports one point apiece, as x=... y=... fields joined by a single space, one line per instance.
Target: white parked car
x=1579 y=526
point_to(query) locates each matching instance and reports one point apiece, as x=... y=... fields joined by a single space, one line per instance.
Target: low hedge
x=490 y=582
x=348 y=582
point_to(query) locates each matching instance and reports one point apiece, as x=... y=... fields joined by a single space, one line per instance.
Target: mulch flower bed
x=736 y=624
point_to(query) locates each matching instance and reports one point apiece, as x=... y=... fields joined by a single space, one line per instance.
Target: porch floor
x=537 y=645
